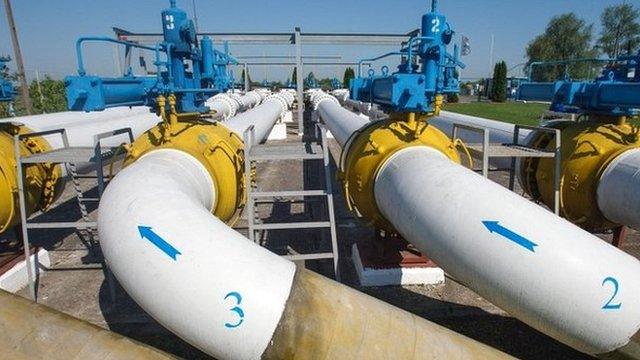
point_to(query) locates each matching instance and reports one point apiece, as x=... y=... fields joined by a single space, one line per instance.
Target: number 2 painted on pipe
x=236 y=310
x=609 y=305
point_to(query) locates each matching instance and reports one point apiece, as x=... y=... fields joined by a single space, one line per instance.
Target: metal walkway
x=255 y=153
x=486 y=150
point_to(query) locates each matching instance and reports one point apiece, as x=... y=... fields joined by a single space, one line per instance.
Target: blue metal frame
x=614 y=93
x=208 y=75
x=7 y=91
x=414 y=87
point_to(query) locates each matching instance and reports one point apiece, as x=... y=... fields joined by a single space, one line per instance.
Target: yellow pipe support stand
x=42 y=182
x=217 y=148
x=587 y=148
x=369 y=148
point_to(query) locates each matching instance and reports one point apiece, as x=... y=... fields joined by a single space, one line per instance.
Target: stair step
x=294 y=225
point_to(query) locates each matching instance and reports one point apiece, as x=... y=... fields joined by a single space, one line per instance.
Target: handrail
x=81 y=70
x=529 y=68
x=361 y=61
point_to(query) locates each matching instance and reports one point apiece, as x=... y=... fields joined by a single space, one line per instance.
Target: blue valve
x=190 y=72
x=416 y=84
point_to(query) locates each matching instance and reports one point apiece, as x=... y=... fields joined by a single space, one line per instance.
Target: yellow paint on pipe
x=371 y=146
x=216 y=147
x=33 y=331
x=327 y=320
x=587 y=148
x=42 y=182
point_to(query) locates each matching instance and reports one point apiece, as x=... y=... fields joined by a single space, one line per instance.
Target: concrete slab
x=279 y=132
x=17 y=277
x=400 y=275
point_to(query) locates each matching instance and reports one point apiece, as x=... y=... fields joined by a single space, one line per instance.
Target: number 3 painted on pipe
x=236 y=309
x=609 y=305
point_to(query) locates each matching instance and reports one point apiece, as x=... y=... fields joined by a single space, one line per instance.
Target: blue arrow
x=146 y=232
x=494 y=227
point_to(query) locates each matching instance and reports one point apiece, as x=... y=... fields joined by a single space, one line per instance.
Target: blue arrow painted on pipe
x=495 y=227
x=146 y=232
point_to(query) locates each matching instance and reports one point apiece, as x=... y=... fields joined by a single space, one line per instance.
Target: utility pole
x=24 y=89
x=195 y=16
x=491 y=55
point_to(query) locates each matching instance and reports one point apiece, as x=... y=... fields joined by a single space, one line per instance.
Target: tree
x=349 y=74
x=566 y=37
x=48 y=96
x=294 y=76
x=620 y=30
x=499 y=84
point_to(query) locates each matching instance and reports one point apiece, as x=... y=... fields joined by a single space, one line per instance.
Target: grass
x=511 y=112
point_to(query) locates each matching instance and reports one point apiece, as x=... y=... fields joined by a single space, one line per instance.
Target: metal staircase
x=311 y=150
x=68 y=156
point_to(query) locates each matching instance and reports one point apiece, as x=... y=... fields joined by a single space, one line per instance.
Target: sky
x=48 y=29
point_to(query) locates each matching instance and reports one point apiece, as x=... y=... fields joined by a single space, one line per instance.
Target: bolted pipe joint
x=318 y=97
x=587 y=148
x=224 y=105
x=368 y=149
x=217 y=148
x=284 y=99
x=43 y=183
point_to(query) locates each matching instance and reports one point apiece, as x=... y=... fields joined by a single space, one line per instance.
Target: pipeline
x=227 y=105
x=59 y=119
x=543 y=270
x=44 y=182
x=273 y=108
x=230 y=297
x=618 y=195
x=598 y=183
x=588 y=148
x=30 y=330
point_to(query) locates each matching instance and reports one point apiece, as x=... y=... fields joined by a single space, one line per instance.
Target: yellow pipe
x=327 y=320
x=33 y=331
x=42 y=182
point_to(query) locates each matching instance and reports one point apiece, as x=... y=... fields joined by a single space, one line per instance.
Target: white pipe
x=66 y=118
x=619 y=190
x=228 y=105
x=83 y=133
x=544 y=270
x=558 y=287
x=499 y=132
x=328 y=107
x=370 y=110
x=171 y=193
x=262 y=117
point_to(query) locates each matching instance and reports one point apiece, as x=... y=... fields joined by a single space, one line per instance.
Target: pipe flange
x=318 y=98
x=281 y=100
x=217 y=148
x=238 y=99
x=231 y=104
x=368 y=149
x=257 y=98
x=588 y=147
x=43 y=182
x=288 y=96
